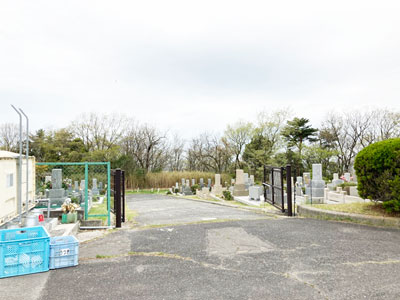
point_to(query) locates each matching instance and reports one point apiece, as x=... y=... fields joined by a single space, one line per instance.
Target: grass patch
x=369 y=209
x=146 y=191
x=99 y=209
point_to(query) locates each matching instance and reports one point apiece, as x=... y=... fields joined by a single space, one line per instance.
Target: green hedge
x=378 y=172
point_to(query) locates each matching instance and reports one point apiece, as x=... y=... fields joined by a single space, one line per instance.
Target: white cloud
x=196 y=65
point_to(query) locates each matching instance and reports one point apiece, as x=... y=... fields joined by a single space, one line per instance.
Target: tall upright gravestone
x=317 y=186
x=57 y=193
x=217 y=188
x=240 y=188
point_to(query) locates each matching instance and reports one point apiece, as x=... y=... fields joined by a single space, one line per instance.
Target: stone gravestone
x=246 y=180
x=47 y=179
x=209 y=183
x=201 y=183
x=182 y=185
x=100 y=186
x=317 y=187
x=336 y=181
x=251 y=180
x=95 y=190
x=232 y=181
x=187 y=190
x=255 y=192
x=306 y=179
x=204 y=192
x=57 y=193
x=193 y=181
x=299 y=185
x=240 y=188
x=76 y=186
x=347 y=177
x=217 y=188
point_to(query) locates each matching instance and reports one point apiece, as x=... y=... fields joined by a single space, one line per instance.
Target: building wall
x=8 y=192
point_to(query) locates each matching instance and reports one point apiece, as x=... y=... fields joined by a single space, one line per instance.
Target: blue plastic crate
x=23 y=251
x=64 y=252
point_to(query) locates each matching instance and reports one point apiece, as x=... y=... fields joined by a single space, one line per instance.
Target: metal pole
x=265 y=181
x=86 y=190
x=19 y=190
x=117 y=198
x=27 y=161
x=282 y=190
x=109 y=193
x=289 y=189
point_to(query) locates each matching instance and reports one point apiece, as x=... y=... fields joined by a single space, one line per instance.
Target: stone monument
x=240 y=188
x=317 y=187
x=217 y=188
x=95 y=190
x=57 y=193
x=201 y=183
x=299 y=186
x=255 y=192
x=347 y=177
x=246 y=180
x=251 y=180
x=76 y=186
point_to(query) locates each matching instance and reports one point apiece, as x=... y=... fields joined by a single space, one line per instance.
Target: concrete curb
x=317 y=213
x=275 y=212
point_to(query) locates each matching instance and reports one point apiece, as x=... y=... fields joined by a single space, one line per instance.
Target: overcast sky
x=191 y=66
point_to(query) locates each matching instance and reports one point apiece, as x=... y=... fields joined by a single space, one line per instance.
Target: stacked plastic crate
x=24 y=251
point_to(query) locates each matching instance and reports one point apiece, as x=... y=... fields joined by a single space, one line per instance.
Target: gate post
x=289 y=189
x=117 y=198
x=265 y=181
x=123 y=195
x=282 y=189
x=272 y=185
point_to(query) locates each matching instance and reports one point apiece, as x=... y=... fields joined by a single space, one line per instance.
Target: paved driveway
x=225 y=253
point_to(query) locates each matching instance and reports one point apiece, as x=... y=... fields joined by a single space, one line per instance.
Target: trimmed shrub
x=194 y=188
x=227 y=195
x=378 y=172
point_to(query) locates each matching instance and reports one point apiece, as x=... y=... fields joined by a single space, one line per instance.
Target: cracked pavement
x=205 y=251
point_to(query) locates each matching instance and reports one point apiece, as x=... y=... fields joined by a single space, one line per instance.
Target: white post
x=19 y=191
x=27 y=161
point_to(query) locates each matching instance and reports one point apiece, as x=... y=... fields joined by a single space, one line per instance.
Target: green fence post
x=109 y=193
x=86 y=189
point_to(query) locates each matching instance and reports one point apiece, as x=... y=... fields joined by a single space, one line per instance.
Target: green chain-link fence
x=86 y=183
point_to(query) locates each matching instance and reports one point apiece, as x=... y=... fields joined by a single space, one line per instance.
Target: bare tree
x=100 y=132
x=384 y=124
x=208 y=153
x=148 y=147
x=270 y=125
x=9 y=137
x=347 y=132
x=176 y=154
x=237 y=136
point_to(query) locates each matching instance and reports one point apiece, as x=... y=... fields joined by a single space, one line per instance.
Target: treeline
x=274 y=138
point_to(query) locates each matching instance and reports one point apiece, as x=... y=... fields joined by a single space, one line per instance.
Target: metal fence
x=275 y=190
x=118 y=196
x=86 y=183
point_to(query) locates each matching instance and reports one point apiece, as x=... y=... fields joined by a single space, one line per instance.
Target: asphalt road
x=205 y=251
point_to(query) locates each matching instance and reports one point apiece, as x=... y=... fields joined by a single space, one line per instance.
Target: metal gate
x=274 y=187
x=118 y=196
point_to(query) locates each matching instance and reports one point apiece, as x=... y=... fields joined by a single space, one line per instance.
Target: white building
x=9 y=184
